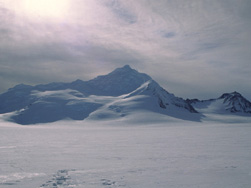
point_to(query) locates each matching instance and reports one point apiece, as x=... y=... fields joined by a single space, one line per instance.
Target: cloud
x=169 y=34
x=193 y=48
x=121 y=11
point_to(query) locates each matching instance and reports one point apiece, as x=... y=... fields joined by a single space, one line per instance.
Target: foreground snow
x=110 y=155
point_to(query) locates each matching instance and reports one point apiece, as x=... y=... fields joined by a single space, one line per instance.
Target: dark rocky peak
x=191 y=101
x=230 y=95
x=124 y=68
x=236 y=102
x=120 y=81
x=128 y=71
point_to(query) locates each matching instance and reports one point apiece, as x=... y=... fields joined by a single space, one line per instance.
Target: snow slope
x=227 y=103
x=122 y=92
x=229 y=107
x=150 y=97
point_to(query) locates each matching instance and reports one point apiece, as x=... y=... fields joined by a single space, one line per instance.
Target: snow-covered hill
x=121 y=93
x=149 y=97
x=228 y=103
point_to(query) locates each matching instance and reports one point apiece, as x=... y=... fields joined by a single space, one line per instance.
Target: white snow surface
x=228 y=104
x=53 y=105
x=215 y=110
x=122 y=94
x=112 y=154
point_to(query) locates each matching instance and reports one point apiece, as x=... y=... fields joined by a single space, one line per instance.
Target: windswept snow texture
x=113 y=155
x=121 y=93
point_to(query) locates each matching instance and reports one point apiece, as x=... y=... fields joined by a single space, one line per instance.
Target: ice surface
x=114 y=154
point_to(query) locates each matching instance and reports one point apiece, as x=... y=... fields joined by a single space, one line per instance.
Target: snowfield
x=112 y=154
x=122 y=130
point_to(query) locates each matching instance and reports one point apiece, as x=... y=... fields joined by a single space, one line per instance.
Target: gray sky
x=194 y=49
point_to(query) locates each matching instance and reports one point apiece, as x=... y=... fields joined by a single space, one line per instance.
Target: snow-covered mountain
x=121 y=81
x=120 y=93
x=149 y=97
x=226 y=104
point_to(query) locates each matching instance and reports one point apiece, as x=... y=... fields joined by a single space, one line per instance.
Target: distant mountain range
x=119 y=94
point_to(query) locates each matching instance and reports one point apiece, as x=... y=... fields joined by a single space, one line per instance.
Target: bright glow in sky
x=45 y=8
x=192 y=48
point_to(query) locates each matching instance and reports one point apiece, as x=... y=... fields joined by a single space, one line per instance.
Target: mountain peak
x=232 y=102
x=123 y=69
x=129 y=91
x=120 y=81
x=235 y=93
x=232 y=94
x=126 y=67
x=235 y=102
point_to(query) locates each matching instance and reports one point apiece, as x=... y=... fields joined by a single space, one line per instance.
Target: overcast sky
x=192 y=48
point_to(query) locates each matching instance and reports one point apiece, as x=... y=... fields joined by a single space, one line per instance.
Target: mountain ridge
x=232 y=102
x=119 y=94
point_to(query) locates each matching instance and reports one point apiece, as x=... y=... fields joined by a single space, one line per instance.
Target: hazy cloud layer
x=192 y=48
